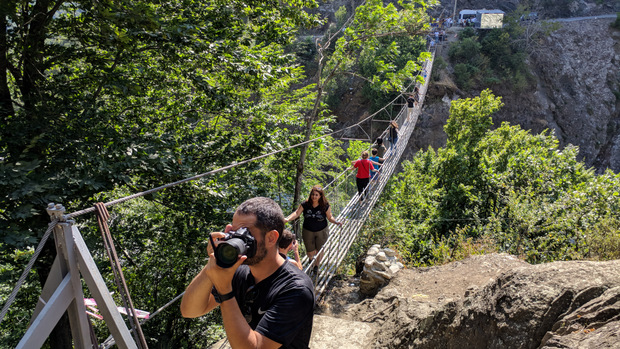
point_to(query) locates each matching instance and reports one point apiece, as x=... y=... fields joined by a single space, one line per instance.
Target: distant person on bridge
x=412 y=102
x=375 y=157
x=288 y=242
x=315 y=231
x=393 y=134
x=362 y=178
x=265 y=301
x=380 y=147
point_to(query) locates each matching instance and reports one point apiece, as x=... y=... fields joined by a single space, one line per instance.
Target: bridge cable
x=26 y=271
x=102 y=217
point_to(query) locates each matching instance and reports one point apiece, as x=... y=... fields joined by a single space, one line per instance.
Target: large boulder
x=498 y=301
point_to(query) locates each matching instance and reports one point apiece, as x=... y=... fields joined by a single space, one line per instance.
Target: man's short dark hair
x=379 y=140
x=268 y=214
x=286 y=239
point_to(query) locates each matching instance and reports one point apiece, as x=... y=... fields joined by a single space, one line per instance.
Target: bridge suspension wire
x=356 y=211
x=224 y=168
x=35 y=255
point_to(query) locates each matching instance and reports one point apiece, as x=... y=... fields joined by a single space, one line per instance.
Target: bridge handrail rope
x=35 y=255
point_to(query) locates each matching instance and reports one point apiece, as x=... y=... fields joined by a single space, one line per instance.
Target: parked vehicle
x=532 y=16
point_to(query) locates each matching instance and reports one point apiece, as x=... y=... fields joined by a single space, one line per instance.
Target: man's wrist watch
x=221 y=298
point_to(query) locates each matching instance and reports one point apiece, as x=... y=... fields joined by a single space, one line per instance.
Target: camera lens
x=227 y=252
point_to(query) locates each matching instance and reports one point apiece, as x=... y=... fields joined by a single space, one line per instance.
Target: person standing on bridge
x=393 y=134
x=375 y=157
x=412 y=102
x=315 y=231
x=265 y=301
x=380 y=147
x=364 y=166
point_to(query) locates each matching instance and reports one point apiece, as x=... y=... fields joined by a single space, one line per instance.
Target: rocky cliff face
x=578 y=90
x=491 y=301
x=544 y=8
x=577 y=94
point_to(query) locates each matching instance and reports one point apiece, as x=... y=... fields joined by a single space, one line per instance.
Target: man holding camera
x=265 y=302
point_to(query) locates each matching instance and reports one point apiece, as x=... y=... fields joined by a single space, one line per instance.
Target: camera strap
x=212 y=243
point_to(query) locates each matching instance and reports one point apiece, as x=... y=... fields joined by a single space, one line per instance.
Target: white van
x=465 y=15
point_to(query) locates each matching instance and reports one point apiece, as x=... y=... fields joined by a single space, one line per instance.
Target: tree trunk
x=304 y=150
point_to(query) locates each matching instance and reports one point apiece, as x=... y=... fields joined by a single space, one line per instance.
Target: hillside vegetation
x=503 y=190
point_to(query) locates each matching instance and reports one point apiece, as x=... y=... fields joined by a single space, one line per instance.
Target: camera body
x=235 y=243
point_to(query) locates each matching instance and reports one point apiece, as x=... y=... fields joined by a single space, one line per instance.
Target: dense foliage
x=99 y=100
x=498 y=56
x=498 y=190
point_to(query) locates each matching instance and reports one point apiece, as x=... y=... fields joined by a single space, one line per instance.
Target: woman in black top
x=316 y=212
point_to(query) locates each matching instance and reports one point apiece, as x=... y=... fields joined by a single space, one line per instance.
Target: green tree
x=498 y=190
x=363 y=32
x=122 y=96
x=459 y=171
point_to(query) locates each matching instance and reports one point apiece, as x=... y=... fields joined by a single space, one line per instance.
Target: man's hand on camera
x=221 y=277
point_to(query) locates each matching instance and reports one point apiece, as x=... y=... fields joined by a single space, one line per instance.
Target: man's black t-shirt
x=315 y=219
x=279 y=307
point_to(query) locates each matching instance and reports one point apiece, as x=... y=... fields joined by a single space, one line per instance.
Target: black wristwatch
x=220 y=298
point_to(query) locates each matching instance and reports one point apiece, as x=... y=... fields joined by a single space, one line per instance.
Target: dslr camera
x=234 y=244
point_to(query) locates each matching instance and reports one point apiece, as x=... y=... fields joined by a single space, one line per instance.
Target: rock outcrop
x=577 y=95
x=380 y=266
x=497 y=301
x=579 y=89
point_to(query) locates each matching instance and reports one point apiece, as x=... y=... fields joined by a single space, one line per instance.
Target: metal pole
x=454 y=14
